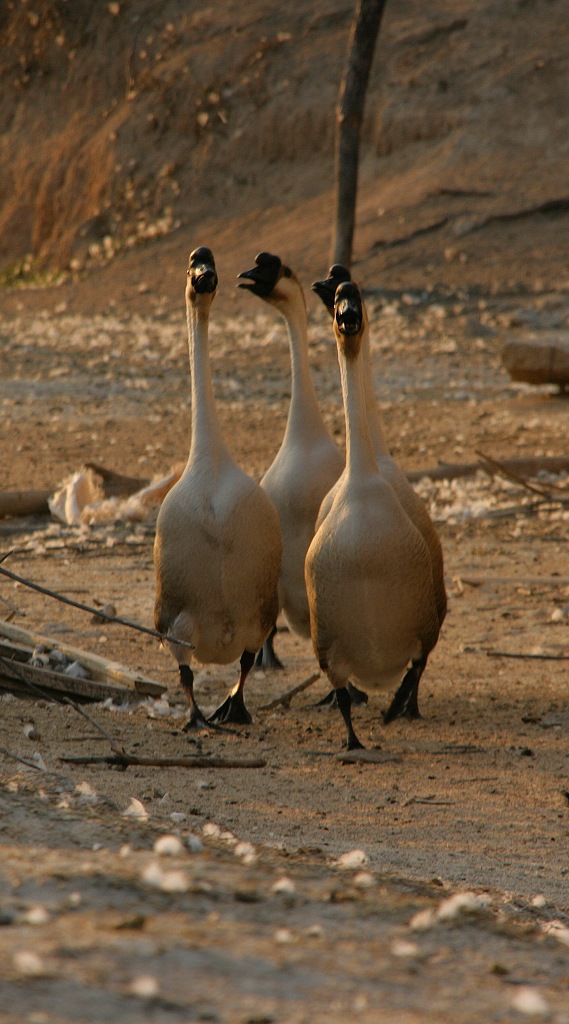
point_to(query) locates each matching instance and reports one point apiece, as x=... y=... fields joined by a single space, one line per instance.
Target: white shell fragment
x=530 y=1001
x=351 y=860
x=168 y=846
x=462 y=903
x=144 y=986
x=284 y=886
x=136 y=810
x=166 y=881
x=29 y=964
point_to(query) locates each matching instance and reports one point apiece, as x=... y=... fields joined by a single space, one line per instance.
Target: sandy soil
x=128 y=135
x=473 y=797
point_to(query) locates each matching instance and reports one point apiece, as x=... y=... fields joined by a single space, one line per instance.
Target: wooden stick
x=286 y=698
x=126 y=760
x=529 y=657
x=516 y=478
x=93 y=611
x=21 y=760
x=528 y=466
x=23 y=503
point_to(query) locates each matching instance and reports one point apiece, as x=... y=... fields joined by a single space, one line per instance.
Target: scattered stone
x=144 y=986
x=530 y=1002
x=136 y=810
x=29 y=964
x=284 y=886
x=168 y=846
x=352 y=859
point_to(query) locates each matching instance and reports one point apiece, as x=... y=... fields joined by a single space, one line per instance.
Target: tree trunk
x=349 y=116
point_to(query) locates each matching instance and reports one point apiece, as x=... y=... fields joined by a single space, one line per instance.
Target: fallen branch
x=23 y=503
x=164 y=637
x=127 y=760
x=286 y=698
x=21 y=760
x=516 y=478
x=529 y=466
x=529 y=657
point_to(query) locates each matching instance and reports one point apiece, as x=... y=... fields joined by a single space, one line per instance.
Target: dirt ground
x=430 y=884
x=471 y=798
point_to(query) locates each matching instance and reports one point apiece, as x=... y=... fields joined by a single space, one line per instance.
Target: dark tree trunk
x=349 y=116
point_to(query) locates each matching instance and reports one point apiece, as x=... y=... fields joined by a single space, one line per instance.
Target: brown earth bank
x=461 y=246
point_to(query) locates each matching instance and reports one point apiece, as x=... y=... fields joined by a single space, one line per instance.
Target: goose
x=405 y=702
x=368 y=569
x=308 y=461
x=218 y=547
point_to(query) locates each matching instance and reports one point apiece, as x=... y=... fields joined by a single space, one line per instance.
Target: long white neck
x=304 y=412
x=360 y=455
x=376 y=431
x=207 y=440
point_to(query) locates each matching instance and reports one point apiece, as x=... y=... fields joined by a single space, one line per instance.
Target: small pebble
x=177 y=817
x=168 y=846
x=462 y=903
x=530 y=1001
x=36 y=916
x=28 y=963
x=402 y=948
x=284 y=886
x=283 y=936
x=538 y=901
x=364 y=879
x=194 y=843
x=352 y=859
x=144 y=986
x=423 y=920
x=211 y=830
x=246 y=851
x=166 y=881
x=31 y=732
x=136 y=810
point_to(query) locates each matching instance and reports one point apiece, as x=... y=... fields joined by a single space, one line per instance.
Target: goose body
x=308 y=462
x=368 y=569
x=217 y=547
x=405 y=701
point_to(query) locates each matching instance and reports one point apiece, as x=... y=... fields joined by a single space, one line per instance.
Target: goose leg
x=405 y=703
x=233 y=708
x=345 y=706
x=196 y=719
x=267 y=658
x=331 y=700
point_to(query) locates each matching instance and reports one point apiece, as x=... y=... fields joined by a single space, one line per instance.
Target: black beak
x=326 y=289
x=348 y=312
x=263 y=276
x=201 y=271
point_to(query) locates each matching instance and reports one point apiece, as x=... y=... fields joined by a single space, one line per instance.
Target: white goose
x=218 y=548
x=308 y=462
x=368 y=569
x=405 y=701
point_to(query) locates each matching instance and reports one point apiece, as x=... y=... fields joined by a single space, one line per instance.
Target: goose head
x=201 y=275
x=326 y=289
x=348 y=319
x=270 y=279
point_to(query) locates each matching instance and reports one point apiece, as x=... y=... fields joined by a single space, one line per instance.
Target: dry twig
x=92 y=611
x=126 y=760
x=286 y=698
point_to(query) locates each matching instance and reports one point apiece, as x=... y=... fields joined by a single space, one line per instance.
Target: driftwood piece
x=528 y=467
x=102 y=670
x=538 y=360
x=23 y=503
x=127 y=760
